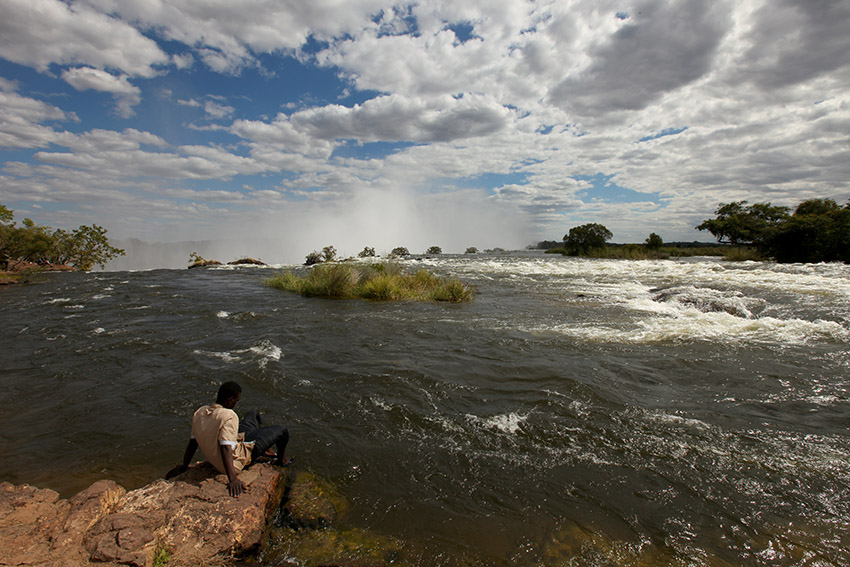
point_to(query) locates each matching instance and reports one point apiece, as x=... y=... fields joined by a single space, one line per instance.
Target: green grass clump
x=377 y=282
x=161 y=556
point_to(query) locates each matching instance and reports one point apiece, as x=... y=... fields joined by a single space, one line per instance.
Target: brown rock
x=192 y=516
x=246 y=261
x=205 y=263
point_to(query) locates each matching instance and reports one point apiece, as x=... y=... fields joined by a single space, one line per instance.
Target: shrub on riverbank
x=378 y=282
x=642 y=252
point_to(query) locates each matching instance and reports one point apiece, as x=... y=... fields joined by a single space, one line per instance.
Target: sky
x=375 y=123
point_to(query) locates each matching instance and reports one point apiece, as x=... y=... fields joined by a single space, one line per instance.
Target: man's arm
x=191 y=447
x=234 y=485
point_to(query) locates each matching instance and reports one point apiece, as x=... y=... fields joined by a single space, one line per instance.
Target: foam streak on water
x=586 y=412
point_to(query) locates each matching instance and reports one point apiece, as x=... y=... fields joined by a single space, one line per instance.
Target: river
x=681 y=412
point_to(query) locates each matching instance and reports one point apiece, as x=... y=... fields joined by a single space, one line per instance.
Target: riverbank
x=22 y=272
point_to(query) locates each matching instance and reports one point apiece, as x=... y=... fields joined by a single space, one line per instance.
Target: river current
x=685 y=412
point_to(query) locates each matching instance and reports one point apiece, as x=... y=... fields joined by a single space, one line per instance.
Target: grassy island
x=379 y=282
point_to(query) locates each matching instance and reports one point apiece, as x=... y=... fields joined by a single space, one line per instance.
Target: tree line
x=818 y=230
x=82 y=248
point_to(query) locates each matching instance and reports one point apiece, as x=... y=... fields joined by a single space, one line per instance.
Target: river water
x=689 y=412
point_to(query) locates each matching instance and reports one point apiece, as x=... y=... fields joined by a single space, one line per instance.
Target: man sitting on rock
x=229 y=446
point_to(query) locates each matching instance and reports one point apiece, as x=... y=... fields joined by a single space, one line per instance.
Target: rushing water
x=688 y=412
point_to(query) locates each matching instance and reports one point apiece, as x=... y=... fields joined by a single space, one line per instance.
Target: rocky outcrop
x=246 y=262
x=191 y=519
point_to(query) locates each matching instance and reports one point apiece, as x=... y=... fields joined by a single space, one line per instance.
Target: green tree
x=434 y=250
x=654 y=242
x=329 y=253
x=84 y=247
x=6 y=215
x=818 y=231
x=313 y=258
x=367 y=252
x=471 y=250
x=582 y=239
x=736 y=223
x=400 y=251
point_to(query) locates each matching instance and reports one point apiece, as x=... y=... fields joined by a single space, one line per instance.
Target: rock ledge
x=192 y=517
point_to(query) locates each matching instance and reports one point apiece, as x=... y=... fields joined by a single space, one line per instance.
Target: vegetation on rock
x=198 y=261
x=434 y=250
x=379 y=282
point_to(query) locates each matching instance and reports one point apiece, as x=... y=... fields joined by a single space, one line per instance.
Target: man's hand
x=235 y=487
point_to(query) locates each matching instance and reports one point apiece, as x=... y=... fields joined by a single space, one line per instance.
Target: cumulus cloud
x=387 y=118
x=664 y=46
x=126 y=95
x=230 y=33
x=212 y=108
x=399 y=118
x=21 y=119
x=40 y=33
x=797 y=40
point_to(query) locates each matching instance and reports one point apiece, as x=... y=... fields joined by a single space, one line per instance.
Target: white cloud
x=126 y=95
x=399 y=118
x=40 y=33
x=228 y=34
x=21 y=119
x=212 y=108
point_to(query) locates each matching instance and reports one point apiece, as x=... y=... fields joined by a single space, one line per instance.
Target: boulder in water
x=205 y=264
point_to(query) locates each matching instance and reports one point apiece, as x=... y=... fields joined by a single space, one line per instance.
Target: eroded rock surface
x=192 y=517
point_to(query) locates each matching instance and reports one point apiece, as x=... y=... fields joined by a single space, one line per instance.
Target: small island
x=379 y=282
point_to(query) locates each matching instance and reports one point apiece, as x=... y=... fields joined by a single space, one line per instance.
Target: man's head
x=229 y=394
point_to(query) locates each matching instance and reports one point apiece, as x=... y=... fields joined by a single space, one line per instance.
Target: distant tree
x=736 y=224
x=367 y=252
x=546 y=245
x=471 y=250
x=654 y=242
x=6 y=215
x=434 y=250
x=329 y=253
x=400 y=251
x=582 y=239
x=313 y=258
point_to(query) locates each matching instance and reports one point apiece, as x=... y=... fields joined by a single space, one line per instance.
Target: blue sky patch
x=665 y=132
x=372 y=150
x=604 y=190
